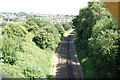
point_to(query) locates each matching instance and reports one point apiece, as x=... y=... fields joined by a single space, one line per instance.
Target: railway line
x=68 y=63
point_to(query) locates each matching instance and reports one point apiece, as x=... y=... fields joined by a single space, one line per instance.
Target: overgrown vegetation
x=97 y=41
x=27 y=48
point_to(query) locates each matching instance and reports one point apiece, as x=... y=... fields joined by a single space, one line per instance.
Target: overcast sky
x=43 y=6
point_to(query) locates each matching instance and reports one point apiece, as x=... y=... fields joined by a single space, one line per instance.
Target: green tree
x=67 y=26
x=98 y=36
x=87 y=18
x=52 y=29
x=13 y=29
x=60 y=28
x=103 y=46
x=44 y=40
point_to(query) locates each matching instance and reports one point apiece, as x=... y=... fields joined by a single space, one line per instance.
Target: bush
x=2 y=24
x=67 y=26
x=13 y=35
x=32 y=21
x=37 y=22
x=30 y=72
x=13 y=29
x=9 y=50
x=53 y=30
x=44 y=40
x=60 y=28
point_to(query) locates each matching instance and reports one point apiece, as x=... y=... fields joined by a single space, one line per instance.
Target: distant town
x=21 y=16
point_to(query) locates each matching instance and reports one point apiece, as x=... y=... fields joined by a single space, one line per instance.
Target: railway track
x=68 y=66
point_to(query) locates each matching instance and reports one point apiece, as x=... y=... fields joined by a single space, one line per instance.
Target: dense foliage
x=9 y=51
x=13 y=34
x=28 y=47
x=97 y=43
x=45 y=40
x=14 y=30
x=60 y=28
x=67 y=26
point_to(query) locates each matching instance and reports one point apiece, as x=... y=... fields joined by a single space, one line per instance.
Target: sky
x=70 y=7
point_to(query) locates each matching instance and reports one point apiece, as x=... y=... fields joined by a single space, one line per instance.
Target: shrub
x=53 y=30
x=44 y=40
x=13 y=29
x=60 y=28
x=37 y=22
x=9 y=50
x=30 y=72
x=67 y=26
x=13 y=35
